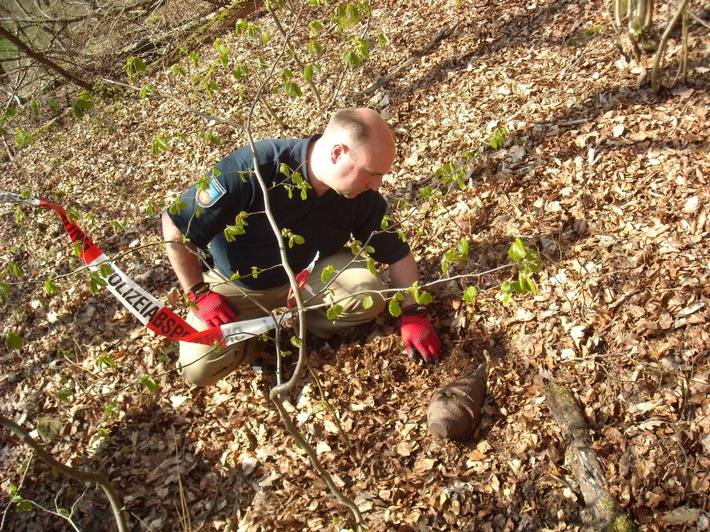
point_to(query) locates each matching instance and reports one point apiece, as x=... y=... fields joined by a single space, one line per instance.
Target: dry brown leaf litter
x=606 y=180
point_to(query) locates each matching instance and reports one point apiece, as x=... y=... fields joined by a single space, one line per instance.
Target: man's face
x=360 y=170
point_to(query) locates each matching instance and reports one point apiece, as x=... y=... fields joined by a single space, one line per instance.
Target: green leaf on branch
x=14 y=269
x=5 y=290
x=498 y=137
x=387 y=221
x=50 y=288
x=371 y=266
x=159 y=144
x=34 y=107
x=367 y=302
x=334 y=311
x=211 y=138
x=524 y=257
x=150 y=383
x=96 y=282
x=394 y=306
x=177 y=206
x=293 y=90
x=423 y=298
x=82 y=104
x=231 y=232
x=309 y=71
x=65 y=394
x=315 y=27
x=14 y=340
x=315 y=48
x=241 y=72
x=351 y=59
x=134 y=66
x=22 y=139
x=327 y=273
x=470 y=294
x=223 y=52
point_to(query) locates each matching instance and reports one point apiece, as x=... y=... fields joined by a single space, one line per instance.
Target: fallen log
x=582 y=459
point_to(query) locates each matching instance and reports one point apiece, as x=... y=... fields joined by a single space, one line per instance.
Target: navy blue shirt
x=326 y=224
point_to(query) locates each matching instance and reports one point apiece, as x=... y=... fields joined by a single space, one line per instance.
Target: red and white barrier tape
x=149 y=311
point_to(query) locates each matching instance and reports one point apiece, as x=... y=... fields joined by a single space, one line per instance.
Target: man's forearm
x=182 y=256
x=403 y=274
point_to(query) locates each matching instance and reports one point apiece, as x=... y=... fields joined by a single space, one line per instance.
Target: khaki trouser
x=202 y=365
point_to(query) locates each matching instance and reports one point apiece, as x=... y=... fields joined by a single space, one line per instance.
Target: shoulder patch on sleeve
x=210 y=195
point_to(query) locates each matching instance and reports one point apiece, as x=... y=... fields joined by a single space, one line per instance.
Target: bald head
x=360 y=128
x=354 y=153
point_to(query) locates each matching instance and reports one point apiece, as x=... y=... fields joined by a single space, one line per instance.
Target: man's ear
x=338 y=151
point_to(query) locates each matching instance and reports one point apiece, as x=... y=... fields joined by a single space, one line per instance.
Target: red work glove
x=212 y=308
x=419 y=335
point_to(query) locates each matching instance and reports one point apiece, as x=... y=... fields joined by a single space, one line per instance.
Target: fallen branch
x=582 y=458
x=84 y=476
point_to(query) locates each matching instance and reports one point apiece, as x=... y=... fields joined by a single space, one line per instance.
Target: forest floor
x=604 y=178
